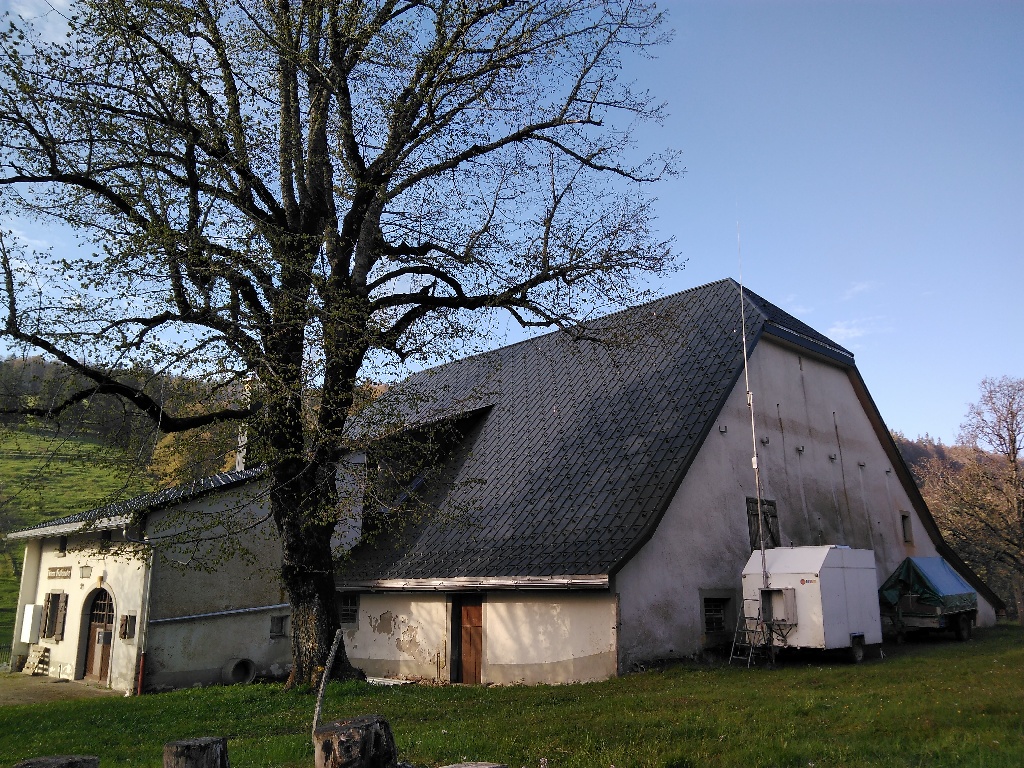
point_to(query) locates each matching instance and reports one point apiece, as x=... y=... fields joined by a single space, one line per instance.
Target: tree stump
x=362 y=742
x=60 y=761
x=204 y=752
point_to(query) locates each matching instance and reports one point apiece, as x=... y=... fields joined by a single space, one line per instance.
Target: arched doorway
x=99 y=637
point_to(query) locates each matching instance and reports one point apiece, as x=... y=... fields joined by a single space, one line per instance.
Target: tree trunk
x=362 y=742
x=60 y=761
x=204 y=752
x=304 y=504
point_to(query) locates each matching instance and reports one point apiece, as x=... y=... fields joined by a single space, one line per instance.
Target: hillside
x=42 y=479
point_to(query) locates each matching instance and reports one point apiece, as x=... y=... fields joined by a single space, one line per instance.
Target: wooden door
x=471 y=640
x=100 y=637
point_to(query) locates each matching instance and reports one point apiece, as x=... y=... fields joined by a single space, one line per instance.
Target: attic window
x=908 y=529
x=771 y=524
x=348 y=608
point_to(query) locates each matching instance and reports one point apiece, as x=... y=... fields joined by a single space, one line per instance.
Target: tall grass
x=937 y=703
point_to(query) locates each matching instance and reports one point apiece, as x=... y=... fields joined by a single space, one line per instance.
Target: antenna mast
x=750 y=407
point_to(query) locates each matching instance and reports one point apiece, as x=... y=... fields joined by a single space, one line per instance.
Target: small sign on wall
x=59 y=572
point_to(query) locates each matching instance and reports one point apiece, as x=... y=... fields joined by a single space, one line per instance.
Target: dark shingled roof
x=576 y=447
x=147 y=502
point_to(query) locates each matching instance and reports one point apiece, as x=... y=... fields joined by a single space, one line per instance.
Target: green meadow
x=928 y=704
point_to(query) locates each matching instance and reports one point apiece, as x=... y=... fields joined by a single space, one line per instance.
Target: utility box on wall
x=30 y=623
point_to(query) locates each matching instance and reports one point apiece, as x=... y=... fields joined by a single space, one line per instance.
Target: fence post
x=204 y=752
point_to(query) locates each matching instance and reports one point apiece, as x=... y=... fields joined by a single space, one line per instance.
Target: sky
x=872 y=156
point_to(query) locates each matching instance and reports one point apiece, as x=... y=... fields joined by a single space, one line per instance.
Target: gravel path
x=28 y=689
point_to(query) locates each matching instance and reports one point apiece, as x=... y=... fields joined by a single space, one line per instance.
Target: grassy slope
x=940 y=703
x=42 y=480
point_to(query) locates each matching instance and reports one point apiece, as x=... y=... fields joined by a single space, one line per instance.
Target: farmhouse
x=599 y=503
x=591 y=509
x=166 y=590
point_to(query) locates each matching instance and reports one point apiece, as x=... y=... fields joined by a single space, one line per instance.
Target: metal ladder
x=751 y=640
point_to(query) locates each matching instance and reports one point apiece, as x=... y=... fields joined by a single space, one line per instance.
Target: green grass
x=938 y=703
x=41 y=479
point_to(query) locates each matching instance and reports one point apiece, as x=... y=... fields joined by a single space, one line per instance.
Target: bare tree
x=977 y=489
x=301 y=190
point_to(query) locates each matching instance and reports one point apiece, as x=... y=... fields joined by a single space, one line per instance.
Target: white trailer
x=816 y=597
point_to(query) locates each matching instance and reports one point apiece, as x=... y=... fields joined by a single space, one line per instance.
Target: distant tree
x=918 y=451
x=976 y=491
x=297 y=192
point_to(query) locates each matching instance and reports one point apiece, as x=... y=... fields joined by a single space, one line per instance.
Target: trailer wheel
x=856 y=650
x=963 y=627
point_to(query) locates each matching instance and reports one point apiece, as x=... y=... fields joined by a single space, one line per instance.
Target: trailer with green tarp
x=927 y=593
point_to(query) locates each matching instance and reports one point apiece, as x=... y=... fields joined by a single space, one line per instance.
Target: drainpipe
x=143 y=625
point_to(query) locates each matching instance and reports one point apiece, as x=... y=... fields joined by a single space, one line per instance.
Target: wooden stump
x=60 y=761
x=205 y=752
x=362 y=742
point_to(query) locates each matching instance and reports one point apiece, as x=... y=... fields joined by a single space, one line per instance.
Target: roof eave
x=476 y=583
x=64 y=529
x=834 y=354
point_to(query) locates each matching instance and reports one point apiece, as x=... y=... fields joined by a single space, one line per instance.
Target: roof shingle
x=584 y=443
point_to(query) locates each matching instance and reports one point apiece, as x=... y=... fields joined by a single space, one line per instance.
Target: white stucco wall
x=527 y=637
x=548 y=637
x=216 y=553
x=204 y=594
x=186 y=652
x=401 y=635
x=119 y=571
x=212 y=600
x=822 y=464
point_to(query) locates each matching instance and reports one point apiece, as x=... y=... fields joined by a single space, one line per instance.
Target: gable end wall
x=823 y=465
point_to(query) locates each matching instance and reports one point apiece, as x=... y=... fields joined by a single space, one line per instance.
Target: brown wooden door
x=100 y=637
x=471 y=640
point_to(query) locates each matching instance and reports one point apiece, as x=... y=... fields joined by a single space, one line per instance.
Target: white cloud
x=857 y=288
x=844 y=331
x=791 y=304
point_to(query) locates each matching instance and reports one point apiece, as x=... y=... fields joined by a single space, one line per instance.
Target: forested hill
x=33 y=383
x=918 y=452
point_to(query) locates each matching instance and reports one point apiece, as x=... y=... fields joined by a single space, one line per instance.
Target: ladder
x=752 y=639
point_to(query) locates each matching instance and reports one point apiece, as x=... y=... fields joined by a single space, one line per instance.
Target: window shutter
x=62 y=614
x=45 y=617
x=772 y=518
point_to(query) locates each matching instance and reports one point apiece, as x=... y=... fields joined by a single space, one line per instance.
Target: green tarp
x=932 y=581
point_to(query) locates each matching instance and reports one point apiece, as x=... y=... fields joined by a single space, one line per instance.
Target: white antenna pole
x=750 y=407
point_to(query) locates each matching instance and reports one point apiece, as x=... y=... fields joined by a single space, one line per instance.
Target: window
x=715 y=609
x=105 y=537
x=908 y=528
x=348 y=608
x=62 y=546
x=278 y=626
x=771 y=524
x=54 y=615
x=126 y=630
